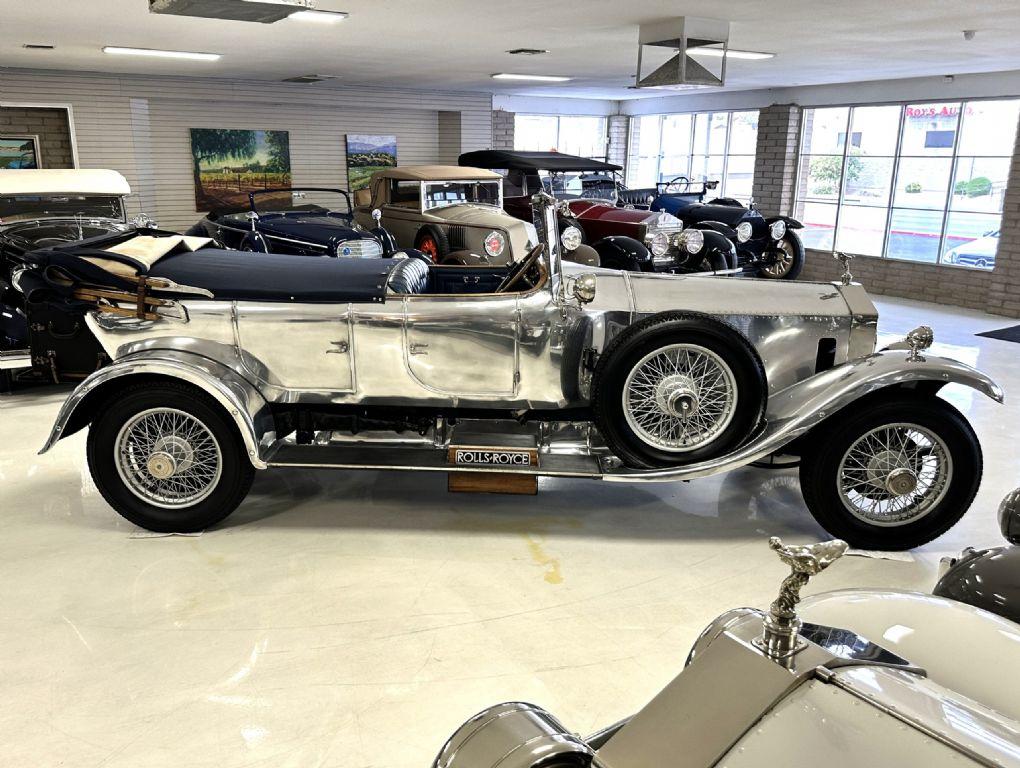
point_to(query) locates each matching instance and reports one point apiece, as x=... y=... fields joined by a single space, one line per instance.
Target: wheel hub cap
x=677 y=396
x=900 y=482
x=161 y=465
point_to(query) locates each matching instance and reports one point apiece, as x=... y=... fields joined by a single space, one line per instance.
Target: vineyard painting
x=228 y=164
x=366 y=155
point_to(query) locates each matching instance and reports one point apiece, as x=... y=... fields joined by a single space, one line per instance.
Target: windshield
x=31 y=207
x=574 y=185
x=298 y=200
x=439 y=194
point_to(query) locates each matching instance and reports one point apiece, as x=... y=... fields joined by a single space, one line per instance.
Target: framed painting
x=19 y=152
x=228 y=164
x=367 y=154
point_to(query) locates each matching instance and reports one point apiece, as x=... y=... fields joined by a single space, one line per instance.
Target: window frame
x=690 y=154
x=559 y=129
x=953 y=157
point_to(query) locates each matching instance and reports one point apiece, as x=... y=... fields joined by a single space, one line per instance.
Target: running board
x=427 y=459
x=15 y=360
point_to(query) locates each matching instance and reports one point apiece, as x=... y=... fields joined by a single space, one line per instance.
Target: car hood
x=587 y=209
x=961 y=647
x=727 y=214
x=310 y=227
x=472 y=215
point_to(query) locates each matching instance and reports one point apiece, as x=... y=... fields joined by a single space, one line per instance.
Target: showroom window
x=919 y=182
x=569 y=134
x=703 y=146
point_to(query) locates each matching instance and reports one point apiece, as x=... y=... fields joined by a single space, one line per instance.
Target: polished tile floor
x=355 y=619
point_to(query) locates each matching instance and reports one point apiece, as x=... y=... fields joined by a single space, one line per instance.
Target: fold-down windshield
x=310 y=200
x=439 y=194
x=15 y=208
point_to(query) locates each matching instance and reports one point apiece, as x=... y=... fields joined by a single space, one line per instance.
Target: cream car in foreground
x=854 y=679
x=453 y=215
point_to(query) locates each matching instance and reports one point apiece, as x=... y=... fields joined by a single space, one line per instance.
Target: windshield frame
x=546 y=177
x=21 y=218
x=423 y=194
x=281 y=190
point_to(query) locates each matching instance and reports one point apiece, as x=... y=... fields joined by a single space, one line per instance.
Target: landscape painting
x=228 y=164
x=19 y=152
x=366 y=155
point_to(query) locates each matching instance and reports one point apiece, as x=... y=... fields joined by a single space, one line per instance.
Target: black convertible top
x=532 y=161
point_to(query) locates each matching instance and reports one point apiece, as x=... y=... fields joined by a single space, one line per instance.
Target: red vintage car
x=624 y=237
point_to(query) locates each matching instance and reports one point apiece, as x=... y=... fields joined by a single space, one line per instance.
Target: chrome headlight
x=495 y=243
x=570 y=238
x=657 y=243
x=691 y=239
x=777 y=229
x=744 y=231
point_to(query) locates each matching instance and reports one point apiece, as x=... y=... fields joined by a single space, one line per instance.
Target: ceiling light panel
x=319 y=17
x=536 y=78
x=732 y=53
x=156 y=53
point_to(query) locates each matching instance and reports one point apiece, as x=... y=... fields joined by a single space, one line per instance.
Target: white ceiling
x=458 y=44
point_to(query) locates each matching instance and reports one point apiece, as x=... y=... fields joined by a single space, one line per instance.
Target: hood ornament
x=919 y=340
x=844 y=259
x=780 y=636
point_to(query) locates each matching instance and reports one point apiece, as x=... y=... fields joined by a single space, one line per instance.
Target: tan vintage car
x=454 y=215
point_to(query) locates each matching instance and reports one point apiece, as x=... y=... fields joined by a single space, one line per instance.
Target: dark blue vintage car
x=769 y=245
x=308 y=221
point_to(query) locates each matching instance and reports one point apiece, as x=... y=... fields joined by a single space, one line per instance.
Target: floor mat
x=1005 y=334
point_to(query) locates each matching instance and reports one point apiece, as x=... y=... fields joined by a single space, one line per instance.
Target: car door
x=464 y=346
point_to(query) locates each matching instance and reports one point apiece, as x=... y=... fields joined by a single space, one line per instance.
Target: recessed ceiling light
x=323 y=17
x=118 y=51
x=540 y=78
x=732 y=53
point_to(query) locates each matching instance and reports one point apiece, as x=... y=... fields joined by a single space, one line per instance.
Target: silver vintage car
x=254 y=361
x=454 y=215
x=846 y=679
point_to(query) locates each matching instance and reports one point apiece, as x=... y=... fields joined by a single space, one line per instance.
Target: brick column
x=616 y=151
x=775 y=163
x=502 y=129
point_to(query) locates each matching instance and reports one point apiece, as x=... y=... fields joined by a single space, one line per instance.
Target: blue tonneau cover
x=228 y=275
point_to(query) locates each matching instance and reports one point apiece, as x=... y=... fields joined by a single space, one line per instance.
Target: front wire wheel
x=893 y=473
x=788 y=259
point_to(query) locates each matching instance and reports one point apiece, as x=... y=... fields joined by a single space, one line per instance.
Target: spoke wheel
x=892 y=471
x=168 y=458
x=788 y=259
x=679 y=397
x=895 y=474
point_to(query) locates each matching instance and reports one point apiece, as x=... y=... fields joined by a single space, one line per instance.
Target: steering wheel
x=520 y=270
x=676 y=180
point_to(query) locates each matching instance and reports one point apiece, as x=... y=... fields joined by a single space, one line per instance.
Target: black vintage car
x=308 y=221
x=42 y=209
x=766 y=245
x=632 y=240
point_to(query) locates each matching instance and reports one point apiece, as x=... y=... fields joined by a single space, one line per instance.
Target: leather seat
x=409 y=276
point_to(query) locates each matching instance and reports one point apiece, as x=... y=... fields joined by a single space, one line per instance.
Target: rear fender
x=243 y=403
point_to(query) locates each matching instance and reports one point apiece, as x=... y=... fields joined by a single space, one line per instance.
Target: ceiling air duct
x=680 y=35
x=262 y=11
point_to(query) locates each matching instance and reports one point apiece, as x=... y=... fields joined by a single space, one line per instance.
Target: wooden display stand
x=492 y=482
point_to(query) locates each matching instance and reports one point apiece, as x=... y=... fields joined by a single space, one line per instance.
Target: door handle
x=341 y=348
x=417 y=349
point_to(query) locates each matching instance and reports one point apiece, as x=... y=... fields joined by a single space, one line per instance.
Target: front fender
x=619 y=249
x=796 y=410
x=791 y=223
x=716 y=226
x=239 y=397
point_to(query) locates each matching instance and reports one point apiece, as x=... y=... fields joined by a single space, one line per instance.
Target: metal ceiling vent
x=262 y=11
x=308 y=79
x=681 y=72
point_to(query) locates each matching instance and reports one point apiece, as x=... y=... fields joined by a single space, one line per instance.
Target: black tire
x=236 y=473
x=438 y=237
x=820 y=474
x=794 y=248
x=634 y=344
